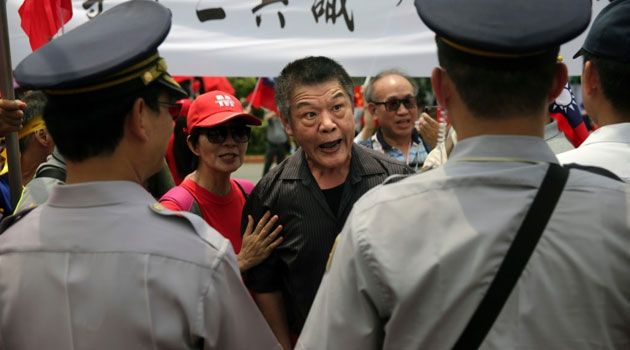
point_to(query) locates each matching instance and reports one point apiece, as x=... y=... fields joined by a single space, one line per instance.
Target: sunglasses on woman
x=218 y=134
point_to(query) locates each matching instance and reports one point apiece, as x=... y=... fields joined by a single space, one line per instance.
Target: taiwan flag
x=567 y=113
x=264 y=95
x=41 y=19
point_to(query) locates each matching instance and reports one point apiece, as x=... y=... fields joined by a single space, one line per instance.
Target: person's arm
x=368 y=126
x=11 y=114
x=271 y=305
x=258 y=243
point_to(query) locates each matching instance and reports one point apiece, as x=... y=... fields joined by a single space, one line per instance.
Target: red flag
x=41 y=19
x=264 y=95
x=217 y=83
x=358 y=97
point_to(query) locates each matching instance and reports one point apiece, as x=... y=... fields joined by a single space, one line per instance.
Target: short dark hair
x=614 y=76
x=35 y=104
x=369 y=90
x=185 y=160
x=310 y=70
x=92 y=124
x=507 y=88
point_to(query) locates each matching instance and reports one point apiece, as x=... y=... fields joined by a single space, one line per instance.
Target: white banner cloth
x=259 y=37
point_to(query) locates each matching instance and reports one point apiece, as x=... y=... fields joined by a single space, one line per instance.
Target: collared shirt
x=309 y=225
x=607 y=147
x=101 y=265
x=417 y=152
x=416 y=257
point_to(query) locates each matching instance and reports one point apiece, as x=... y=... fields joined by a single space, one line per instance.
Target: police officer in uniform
x=416 y=264
x=101 y=265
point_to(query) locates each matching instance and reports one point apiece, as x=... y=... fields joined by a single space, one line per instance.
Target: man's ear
x=285 y=123
x=560 y=77
x=192 y=147
x=43 y=138
x=590 y=79
x=136 y=123
x=372 y=109
x=442 y=85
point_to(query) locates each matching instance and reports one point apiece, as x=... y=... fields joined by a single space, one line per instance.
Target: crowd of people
x=489 y=232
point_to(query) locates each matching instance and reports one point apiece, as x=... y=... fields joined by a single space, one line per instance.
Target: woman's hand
x=259 y=243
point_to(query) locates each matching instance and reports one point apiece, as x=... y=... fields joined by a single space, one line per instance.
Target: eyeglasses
x=173 y=108
x=392 y=104
x=218 y=134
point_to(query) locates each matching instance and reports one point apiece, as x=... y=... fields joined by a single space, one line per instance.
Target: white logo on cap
x=224 y=101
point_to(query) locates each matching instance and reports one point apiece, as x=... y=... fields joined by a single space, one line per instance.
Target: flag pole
x=6 y=87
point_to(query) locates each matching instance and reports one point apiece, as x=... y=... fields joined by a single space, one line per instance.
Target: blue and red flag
x=264 y=95
x=41 y=19
x=566 y=112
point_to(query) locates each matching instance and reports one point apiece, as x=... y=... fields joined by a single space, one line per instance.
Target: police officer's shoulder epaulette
x=395 y=178
x=201 y=228
x=8 y=221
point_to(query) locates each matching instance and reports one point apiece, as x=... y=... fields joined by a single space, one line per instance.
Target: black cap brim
x=174 y=89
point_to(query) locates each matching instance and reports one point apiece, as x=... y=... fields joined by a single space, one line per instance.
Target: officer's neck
x=114 y=167
x=468 y=125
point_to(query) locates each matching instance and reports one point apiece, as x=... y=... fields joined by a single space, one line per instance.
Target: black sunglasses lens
x=409 y=103
x=392 y=105
x=240 y=134
x=217 y=134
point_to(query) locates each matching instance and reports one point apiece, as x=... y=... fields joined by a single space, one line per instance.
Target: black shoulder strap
x=53 y=172
x=8 y=221
x=594 y=170
x=516 y=258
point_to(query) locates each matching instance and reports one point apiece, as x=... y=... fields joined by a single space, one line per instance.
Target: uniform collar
x=361 y=164
x=528 y=148
x=98 y=193
x=610 y=133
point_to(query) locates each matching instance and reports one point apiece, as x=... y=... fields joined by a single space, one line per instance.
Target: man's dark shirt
x=310 y=227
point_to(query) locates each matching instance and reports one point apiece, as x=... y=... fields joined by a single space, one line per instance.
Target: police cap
x=609 y=36
x=504 y=29
x=117 y=49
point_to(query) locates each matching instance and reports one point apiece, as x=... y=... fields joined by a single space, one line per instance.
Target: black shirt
x=310 y=226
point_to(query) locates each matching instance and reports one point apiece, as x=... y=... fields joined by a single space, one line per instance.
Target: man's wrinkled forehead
x=305 y=94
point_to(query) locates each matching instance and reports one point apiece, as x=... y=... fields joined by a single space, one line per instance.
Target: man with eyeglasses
x=391 y=97
x=102 y=265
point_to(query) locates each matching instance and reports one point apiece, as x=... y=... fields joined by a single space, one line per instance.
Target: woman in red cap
x=218 y=134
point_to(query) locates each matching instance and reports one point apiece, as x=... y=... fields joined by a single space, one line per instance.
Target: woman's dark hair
x=185 y=161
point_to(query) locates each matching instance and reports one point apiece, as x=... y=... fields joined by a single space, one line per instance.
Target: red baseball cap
x=216 y=107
